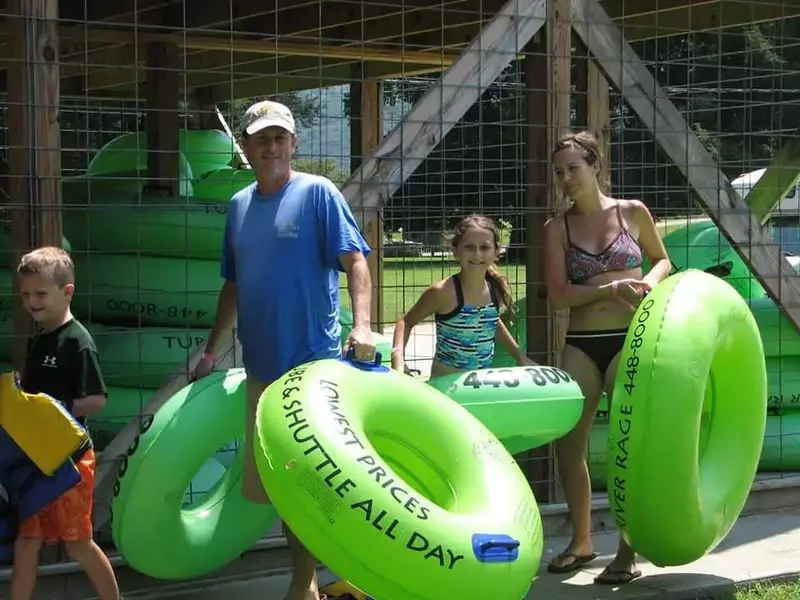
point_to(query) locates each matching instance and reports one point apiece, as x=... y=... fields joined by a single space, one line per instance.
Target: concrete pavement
x=758 y=547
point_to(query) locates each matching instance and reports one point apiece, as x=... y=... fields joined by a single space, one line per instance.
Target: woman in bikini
x=593 y=255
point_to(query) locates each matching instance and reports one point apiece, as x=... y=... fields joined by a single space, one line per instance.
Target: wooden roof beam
x=105 y=11
x=626 y=71
x=257 y=46
x=640 y=21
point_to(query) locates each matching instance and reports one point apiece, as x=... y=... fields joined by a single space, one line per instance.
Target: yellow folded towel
x=42 y=428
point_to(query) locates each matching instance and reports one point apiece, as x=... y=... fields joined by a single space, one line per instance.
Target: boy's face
x=44 y=300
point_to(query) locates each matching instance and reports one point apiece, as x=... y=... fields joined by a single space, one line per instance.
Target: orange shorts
x=69 y=517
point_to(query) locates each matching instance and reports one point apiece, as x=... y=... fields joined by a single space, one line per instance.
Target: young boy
x=62 y=362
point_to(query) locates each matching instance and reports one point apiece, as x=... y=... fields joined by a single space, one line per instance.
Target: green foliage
x=327 y=168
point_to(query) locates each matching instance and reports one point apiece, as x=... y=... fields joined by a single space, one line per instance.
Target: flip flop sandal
x=574 y=565
x=617 y=577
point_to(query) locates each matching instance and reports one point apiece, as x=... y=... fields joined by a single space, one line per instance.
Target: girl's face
x=574 y=176
x=476 y=249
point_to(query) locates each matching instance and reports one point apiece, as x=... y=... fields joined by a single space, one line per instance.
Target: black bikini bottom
x=601 y=345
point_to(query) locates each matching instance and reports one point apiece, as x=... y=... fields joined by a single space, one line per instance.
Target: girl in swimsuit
x=466 y=306
x=593 y=266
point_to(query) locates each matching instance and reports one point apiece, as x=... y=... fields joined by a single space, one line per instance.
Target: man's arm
x=345 y=249
x=359 y=284
x=224 y=320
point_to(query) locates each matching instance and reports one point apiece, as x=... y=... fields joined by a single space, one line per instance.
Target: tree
x=327 y=168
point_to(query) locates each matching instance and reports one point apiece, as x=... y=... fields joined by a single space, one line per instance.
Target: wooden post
x=366 y=131
x=34 y=137
x=206 y=113
x=547 y=84
x=162 y=90
x=599 y=118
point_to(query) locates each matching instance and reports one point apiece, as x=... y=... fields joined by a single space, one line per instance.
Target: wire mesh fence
x=151 y=101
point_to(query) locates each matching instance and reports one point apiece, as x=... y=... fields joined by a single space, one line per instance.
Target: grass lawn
x=789 y=591
x=406 y=278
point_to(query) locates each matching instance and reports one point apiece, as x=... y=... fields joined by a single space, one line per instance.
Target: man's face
x=270 y=150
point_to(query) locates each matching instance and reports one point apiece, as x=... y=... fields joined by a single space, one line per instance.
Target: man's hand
x=360 y=340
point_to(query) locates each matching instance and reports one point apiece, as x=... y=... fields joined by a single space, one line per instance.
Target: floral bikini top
x=622 y=254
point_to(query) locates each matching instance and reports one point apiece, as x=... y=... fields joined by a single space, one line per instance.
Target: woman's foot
x=621 y=571
x=572 y=559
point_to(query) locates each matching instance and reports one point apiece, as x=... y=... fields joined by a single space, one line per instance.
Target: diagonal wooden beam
x=631 y=77
x=781 y=176
x=399 y=154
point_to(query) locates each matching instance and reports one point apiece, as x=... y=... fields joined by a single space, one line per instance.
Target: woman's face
x=574 y=176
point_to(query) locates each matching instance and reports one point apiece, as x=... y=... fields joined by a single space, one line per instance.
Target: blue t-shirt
x=282 y=252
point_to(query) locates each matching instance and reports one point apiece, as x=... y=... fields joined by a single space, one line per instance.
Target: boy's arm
x=91 y=390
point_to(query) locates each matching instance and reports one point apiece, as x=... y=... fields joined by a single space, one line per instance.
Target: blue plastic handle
x=365 y=365
x=495 y=548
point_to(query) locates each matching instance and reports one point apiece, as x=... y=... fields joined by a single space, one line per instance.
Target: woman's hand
x=631 y=290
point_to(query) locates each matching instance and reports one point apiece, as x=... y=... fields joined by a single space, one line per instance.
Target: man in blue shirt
x=287 y=238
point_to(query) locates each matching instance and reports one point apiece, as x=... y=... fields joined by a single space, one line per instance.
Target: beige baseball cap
x=267 y=114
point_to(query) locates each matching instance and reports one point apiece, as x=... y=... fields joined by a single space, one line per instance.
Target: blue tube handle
x=351 y=357
x=506 y=545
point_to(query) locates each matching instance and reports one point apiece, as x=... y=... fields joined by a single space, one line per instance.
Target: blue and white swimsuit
x=465 y=336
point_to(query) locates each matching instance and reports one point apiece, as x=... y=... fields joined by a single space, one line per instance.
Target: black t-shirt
x=63 y=364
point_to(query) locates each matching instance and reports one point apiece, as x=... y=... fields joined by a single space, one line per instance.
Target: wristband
x=210 y=357
x=614 y=290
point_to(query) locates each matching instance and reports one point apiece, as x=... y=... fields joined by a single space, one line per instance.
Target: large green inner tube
x=154 y=531
x=688 y=418
x=376 y=468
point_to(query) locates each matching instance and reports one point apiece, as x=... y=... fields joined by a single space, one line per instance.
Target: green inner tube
x=175 y=227
x=780 y=451
x=388 y=462
x=779 y=336
x=143 y=358
x=178 y=541
x=133 y=291
x=223 y=183
x=204 y=150
x=525 y=407
x=701 y=245
x=688 y=417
